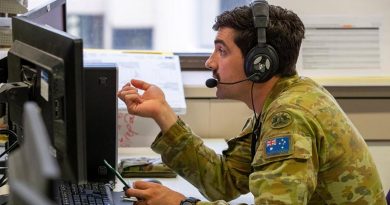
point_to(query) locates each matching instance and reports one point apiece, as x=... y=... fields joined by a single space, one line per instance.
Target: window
x=185 y=26
x=138 y=39
x=169 y=25
x=89 y=27
x=230 y=4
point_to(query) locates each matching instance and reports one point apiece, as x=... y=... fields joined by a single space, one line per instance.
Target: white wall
x=348 y=11
x=125 y=14
x=175 y=25
x=380 y=152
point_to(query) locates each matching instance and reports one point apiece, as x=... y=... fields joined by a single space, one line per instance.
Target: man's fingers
x=134 y=84
x=126 y=85
x=128 y=92
x=140 y=189
x=144 y=184
x=132 y=98
x=138 y=193
x=128 y=88
x=123 y=93
x=140 y=202
x=140 y=84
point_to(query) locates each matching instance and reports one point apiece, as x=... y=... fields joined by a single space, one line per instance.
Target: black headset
x=262 y=61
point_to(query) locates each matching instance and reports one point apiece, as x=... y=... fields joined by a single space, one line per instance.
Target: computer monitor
x=45 y=66
x=51 y=13
x=33 y=170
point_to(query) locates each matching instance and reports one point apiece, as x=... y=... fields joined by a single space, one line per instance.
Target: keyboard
x=84 y=194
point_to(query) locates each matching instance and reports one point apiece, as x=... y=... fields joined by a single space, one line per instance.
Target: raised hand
x=150 y=104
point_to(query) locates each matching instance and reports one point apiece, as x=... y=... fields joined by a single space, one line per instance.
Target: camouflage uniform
x=308 y=152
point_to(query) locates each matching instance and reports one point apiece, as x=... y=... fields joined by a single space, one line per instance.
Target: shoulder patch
x=280 y=120
x=277 y=146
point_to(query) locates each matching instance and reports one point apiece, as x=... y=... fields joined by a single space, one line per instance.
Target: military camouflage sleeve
x=219 y=202
x=286 y=163
x=217 y=177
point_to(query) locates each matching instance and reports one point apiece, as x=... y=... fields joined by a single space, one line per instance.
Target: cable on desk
x=14 y=145
x=3 y=180
x=10 y=148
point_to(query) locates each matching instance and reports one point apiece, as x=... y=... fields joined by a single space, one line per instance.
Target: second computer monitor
x=51 y=13
x=47 y=65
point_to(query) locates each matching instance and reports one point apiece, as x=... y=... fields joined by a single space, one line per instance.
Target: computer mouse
x=153 y=180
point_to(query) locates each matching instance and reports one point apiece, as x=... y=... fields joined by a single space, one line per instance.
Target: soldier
x=298 y=148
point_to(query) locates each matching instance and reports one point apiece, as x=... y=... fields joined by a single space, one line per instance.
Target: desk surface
x=3 y=52
x=179 y=184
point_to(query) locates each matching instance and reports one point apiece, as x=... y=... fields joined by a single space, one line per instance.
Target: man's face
x=227 y=64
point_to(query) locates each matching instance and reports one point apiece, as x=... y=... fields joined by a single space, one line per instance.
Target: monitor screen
x=45 y=65
x=51 y=13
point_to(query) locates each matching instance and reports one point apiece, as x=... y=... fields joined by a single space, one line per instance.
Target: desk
x=3 y=52
x=179 y=184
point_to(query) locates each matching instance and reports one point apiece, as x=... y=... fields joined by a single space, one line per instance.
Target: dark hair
x=285 y=32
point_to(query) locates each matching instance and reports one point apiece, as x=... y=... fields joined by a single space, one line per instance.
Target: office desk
x=179 y=184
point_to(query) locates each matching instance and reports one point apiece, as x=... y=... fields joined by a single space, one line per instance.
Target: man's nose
x=209 y=64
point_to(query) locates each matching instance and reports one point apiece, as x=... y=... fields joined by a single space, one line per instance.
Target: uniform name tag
x=277 y=146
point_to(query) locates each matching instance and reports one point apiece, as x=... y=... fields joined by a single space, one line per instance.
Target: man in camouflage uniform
x=307 y=152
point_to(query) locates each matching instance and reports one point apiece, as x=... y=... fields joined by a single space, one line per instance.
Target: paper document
x=161 y=70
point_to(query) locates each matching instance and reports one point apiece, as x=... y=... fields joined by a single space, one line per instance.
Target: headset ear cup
x=261 y=63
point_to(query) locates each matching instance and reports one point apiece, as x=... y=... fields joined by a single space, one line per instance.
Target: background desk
x=179 y=184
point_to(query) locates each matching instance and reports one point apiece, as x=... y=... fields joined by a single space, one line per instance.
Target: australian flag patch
x=277 y=146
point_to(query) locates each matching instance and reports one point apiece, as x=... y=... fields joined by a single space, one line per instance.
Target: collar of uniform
x=248 y=127
x=281 y=85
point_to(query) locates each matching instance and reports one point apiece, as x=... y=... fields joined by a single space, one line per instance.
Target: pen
x=118 y=175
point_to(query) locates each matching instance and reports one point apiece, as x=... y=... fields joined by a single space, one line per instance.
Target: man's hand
x=150 y=104
x=151 y=193
x=146 y=105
